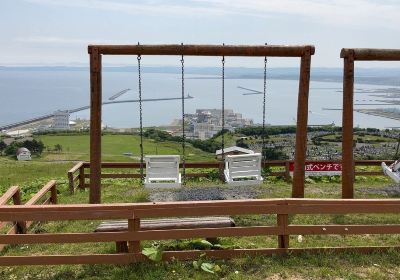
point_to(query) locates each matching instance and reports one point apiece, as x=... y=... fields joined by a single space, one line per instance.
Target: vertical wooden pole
x=347 y=128
x=21 y=225
x=283 y=240
x=53 y=194
x=82 y=177
x=301 y=129
x=71 y=182
x=134 y=225
x=95 y=126
x=287 y=171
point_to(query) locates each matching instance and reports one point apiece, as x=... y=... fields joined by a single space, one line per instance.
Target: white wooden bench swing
x=162 y=171
x=393 y=170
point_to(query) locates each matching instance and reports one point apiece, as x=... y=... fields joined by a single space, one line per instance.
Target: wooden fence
x=14 y=193
x=134 y=212
x=78 y=174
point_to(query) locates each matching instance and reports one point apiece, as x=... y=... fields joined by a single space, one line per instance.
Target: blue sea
x=28 y=94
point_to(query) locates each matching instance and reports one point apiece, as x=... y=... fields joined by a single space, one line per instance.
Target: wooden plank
x=203 y=50
x=371 y=54
x=8 y=195
x=301 y=127
x=342 y=209
x=158 y=224
x=283 y=239
x=41 y=193
x=134 y=227
x=71 y=182
x=66 y=215
x=95 y=126
x=48 y=238
x=347 y=128
x=81 y=177
x=76 y=167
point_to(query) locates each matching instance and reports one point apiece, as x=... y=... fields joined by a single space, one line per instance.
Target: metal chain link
x=223 y=108
x=141 y=118
x=264 y=98
x=183 y=120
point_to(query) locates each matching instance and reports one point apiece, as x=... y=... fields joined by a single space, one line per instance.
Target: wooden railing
x=20 y=226
x=134 y=212
x=77 y=175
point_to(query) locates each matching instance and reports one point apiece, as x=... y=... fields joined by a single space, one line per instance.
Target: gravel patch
x=391 y=190
x=208 y=193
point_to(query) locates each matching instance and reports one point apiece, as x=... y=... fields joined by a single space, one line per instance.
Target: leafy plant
x=154 y=252
x=206 y=266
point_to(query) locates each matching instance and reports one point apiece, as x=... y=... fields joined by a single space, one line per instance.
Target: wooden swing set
x=96 y=52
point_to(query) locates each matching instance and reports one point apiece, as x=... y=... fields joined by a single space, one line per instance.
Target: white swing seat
x=393 y=170
x=243 y=170
x=162 y=171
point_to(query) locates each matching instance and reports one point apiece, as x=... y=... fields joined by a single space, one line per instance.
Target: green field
x=30 y=176
x=76 y=147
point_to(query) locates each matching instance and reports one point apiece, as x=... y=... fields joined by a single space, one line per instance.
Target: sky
x=57 y=32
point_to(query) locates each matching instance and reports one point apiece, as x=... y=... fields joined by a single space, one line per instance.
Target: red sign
x=318 y=168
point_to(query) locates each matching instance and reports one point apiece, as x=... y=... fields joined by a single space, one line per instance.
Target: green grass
x=365 y=138
x=76 y=147
x=32 y=175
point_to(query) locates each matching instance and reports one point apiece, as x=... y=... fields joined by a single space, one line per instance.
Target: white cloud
x=358 y=13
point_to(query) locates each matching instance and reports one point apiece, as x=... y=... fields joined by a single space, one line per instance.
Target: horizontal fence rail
x=135 y=212
x=77 y=174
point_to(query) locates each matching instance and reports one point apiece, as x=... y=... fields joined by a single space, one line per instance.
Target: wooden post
x=21 y=225
x=301 y=129
x=82 y=177
x=287 y=171
x=95 y=125
x=283 y=240
x=347 y=128
x=71 y=182
x=53 y=194
x=134 y=225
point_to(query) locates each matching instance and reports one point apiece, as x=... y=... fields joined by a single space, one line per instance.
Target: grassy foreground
x=31 y=176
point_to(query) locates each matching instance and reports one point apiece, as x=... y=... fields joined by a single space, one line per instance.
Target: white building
x=61 y=120
x=205 y=131
x=23 y=154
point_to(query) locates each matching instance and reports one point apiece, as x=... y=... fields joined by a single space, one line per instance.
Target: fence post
x=133 y=225
x=53 y=194
x=287 y=172
x=82 y=177
x=283 y=240
x=21 y=225
x=71 y=182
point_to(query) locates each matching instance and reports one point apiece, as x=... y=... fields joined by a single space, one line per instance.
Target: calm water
x=27 y=94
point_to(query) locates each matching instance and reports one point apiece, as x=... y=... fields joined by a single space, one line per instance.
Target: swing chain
x=223 y=109
x=141 y=117
x=183 y=119
x=263 y=154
